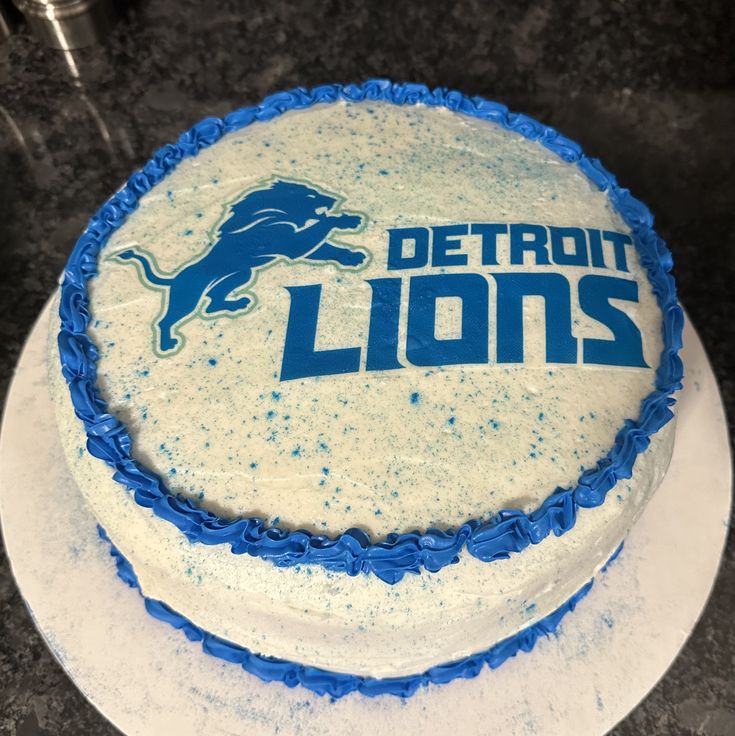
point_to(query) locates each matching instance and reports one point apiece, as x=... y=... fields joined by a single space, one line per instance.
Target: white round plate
x=148 y=679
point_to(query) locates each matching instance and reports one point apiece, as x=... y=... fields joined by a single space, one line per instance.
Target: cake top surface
x=362 y=314
x=222 y=409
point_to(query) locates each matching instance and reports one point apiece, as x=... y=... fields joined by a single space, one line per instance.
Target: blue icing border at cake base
x=338 y=684
x=353 y=551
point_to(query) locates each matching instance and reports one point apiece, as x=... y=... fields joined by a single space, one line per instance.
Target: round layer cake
x=367 y=379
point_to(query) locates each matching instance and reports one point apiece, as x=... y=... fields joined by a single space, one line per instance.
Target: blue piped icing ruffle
x=353 y=551
x=339 y=684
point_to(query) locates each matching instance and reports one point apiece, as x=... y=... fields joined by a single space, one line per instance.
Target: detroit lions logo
x=280 y=221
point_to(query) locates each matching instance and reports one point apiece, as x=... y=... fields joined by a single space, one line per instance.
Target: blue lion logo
x=286 y=220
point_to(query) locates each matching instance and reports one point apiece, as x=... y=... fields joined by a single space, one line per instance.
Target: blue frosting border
x=353 y=552
x=339 y=684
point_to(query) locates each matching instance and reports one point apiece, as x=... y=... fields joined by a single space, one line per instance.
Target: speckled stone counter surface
x=650 y=90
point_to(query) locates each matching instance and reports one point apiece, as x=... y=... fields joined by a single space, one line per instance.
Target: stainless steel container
x=68 y=24
x=7 y=20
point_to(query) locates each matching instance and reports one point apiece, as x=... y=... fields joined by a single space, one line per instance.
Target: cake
x=366 y=383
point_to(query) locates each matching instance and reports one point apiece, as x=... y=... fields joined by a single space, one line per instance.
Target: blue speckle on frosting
x=415 y=397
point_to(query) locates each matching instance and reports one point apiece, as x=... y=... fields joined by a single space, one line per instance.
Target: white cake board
x=148 y=679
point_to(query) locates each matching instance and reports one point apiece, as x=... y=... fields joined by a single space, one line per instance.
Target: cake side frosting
x=454 y=425
x=338 y=684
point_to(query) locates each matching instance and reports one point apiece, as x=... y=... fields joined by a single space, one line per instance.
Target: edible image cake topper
x=284 y=220
x=280 y=220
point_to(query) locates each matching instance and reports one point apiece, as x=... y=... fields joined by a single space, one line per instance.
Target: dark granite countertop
x=647 y=87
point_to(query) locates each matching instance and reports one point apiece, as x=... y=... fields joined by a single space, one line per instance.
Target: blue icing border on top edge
x=339 y=684
x=353 y=552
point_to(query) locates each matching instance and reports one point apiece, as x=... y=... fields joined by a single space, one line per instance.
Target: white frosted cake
x=367 y=383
